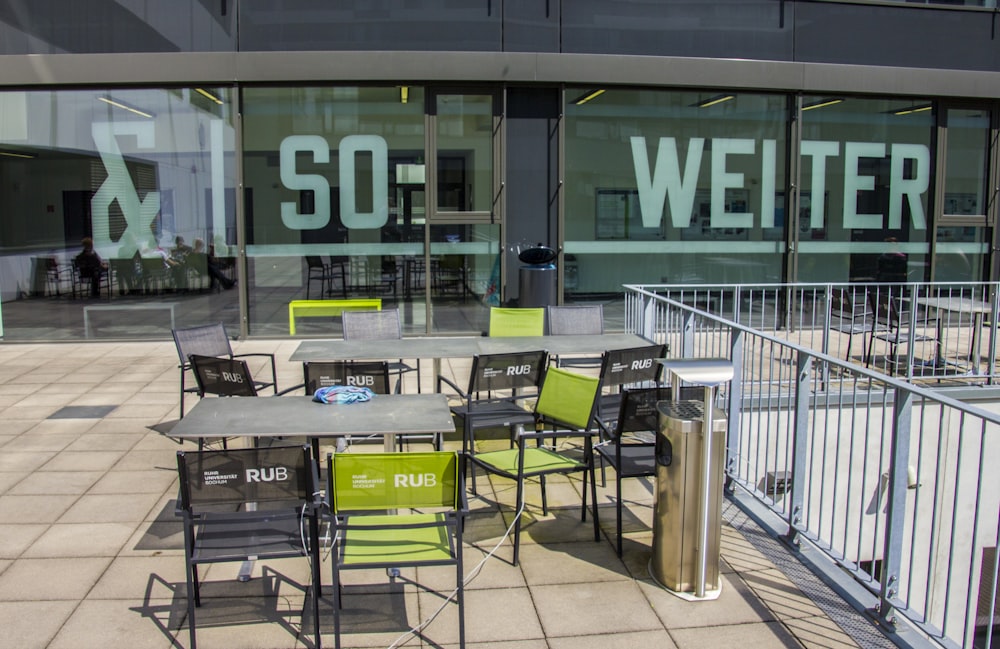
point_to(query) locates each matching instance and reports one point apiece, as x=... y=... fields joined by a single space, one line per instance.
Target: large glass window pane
x=866 y=170
x=464 y=141
x=334 y=200
x=145 y=177
x=465 y=275
x=678 y=187
x=968 y=141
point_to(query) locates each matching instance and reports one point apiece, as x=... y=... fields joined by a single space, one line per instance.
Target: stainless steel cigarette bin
x=690 y=462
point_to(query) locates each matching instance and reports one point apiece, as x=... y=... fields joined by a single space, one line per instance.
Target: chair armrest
x=299 y=386
x=441 y=379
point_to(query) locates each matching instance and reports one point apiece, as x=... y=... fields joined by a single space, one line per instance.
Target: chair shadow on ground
x=227 y=604
x=166 y=532
x=376 y=607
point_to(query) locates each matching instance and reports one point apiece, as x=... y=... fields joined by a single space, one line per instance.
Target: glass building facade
x=221 y=172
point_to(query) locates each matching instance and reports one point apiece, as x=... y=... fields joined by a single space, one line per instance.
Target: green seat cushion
x=364 y=543
x=536 y=461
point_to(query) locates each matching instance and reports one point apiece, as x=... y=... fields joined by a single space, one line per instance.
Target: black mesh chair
x=635 y=366
x=498 y=383
x=570 y=320
x=247 y=504
x=379 y=325
x=892 y=326
x=211 y=340
x=628 y=444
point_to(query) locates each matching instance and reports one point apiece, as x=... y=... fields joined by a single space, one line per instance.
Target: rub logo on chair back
x=361 y=380
x=414 y=480
x=518 y=370
x=230 y=377
x=642 y=364
x=268 y=474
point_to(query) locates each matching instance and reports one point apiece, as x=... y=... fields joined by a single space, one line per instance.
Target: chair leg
x=518 y=513
x=618 y=511
x=593 y=498
x=317 y=579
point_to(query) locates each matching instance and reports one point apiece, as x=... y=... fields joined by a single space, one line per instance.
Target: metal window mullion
x=792 y=183
x=560 y=194
x=899 y=458
x=242 y=294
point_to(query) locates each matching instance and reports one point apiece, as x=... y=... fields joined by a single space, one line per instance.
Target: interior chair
x=851 y=314
x=380 y=325
x=628 y=444
x=325 y=274
x=212 y=340
x=564 y=410
x=449 y=276
x=81 y=286
x=576 y=319
x=498 y=385
x=396 y=510
x=247 y=504
x=892 y=326
x=517 y=322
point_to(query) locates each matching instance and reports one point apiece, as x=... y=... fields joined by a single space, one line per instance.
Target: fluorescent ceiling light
x=587 y=96
x=118 y=104
x=718 y=99
x=912 y=109
x=821 y=103
x=11 y=154
x=206 y=93
x=404 y=94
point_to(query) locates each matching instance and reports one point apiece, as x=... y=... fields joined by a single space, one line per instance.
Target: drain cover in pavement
x=82 y=412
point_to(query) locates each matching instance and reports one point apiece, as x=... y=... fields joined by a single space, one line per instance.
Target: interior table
x=386 y=415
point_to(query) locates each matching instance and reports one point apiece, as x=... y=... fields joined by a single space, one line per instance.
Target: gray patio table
x=961 y=305
x=438 y=347
x=386 y=414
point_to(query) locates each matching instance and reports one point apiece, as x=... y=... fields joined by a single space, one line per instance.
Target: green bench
x=319 y=308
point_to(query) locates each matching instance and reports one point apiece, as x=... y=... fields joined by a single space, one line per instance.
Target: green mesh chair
x=564 y=411
x=396 y=510
x=517 y=322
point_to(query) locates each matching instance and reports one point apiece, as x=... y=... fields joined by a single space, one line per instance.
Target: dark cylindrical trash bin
x=537 y=277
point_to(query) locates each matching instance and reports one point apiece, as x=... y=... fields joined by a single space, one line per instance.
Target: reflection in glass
x=465 y=153
x=146 y=177
x=334 y=181
x=965 y=163
x=679 y=187
x=870 y=161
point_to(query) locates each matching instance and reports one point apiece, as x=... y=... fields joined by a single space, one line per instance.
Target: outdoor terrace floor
x=91 y=553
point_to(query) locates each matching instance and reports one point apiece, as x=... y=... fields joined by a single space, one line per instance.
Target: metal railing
x=893 y=481
x=920 y=331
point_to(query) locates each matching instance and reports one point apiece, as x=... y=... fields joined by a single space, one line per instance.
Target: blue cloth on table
x=343 y=394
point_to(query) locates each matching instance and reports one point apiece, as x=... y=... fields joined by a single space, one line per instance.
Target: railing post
x=687 y=335
x=911 y=333
x=895 y=518
x=800 y=425
x=648 y=311
x=734 y=407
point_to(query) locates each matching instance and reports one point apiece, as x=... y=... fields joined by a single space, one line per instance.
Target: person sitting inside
x=213 y=265
x=90 y=266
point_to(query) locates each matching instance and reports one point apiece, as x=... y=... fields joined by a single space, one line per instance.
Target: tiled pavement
x=90 y=551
